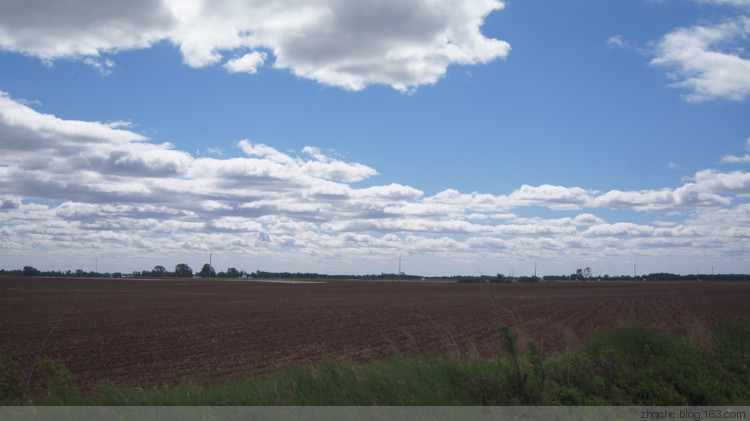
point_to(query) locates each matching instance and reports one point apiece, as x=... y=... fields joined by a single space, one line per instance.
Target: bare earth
x=146 y=333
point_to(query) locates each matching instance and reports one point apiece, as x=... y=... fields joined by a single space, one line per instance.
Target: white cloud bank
x=344 y=43
x=77 y=188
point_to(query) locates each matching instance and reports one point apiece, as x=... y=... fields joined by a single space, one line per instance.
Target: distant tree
x=159 y=271
x=183 y=270
x=207 y=271
x=30 y=271
x=587 y=273
x=233 y=273
x=502 y=279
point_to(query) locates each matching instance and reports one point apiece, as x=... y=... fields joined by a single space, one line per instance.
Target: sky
x=339 y=136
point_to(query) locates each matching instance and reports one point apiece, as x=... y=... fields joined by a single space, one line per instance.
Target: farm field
x=156 y=332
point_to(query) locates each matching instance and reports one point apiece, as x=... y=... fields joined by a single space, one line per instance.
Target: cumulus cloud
x=9 y=202
x=395 y=192
x=554 y=197
x=24 y=129
x=729 y=218
x=709 y=60
x=704 y=193
x=75 y=28
x=95 y=162
x=70 y=186
x=587 y=219
x=685 y=197
x=737 y=182
x=320 y=166
x=349 y=44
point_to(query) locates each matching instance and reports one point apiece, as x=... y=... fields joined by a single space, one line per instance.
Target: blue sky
x=335 y=136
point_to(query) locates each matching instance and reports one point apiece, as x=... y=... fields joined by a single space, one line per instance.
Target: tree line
x=652 y=277
x=183 y=270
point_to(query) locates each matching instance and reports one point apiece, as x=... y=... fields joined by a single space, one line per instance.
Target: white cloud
x=237 y=224
x=737 y=182
x=394 y=192
x=75 y=28
x=419 y=209
x=337 y=170
x=588 y=219
x=264 y=151
x=104 y=67
x=616 y=41
x=554 y=197
x=729 y=2
x=686 y=197
x=105 y=187
x=321 y=166
x=25 y=129
x=738 y=216
x=9 y=202
x=475 y=201
x=349 y=44
x=620 y=229
x=248 y=63
x=709 y=59
x=733 y=159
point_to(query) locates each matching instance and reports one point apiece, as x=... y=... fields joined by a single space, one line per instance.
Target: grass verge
x=632 y=365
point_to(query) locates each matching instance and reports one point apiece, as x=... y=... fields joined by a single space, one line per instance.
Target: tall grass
x=630 y=365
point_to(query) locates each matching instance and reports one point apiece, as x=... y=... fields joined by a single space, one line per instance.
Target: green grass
x=631 y=365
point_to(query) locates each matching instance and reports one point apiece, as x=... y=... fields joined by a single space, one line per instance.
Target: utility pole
x=209 y=264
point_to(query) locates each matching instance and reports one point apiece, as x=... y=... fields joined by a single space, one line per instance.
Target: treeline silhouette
x=658 y=277
x=234 y=273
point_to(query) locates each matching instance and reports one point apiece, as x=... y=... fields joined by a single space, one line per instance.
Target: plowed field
x=146 y=333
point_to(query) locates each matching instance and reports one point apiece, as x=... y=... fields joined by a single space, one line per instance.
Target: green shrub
x=640 y=366
x=11 y=381
x=61 y=386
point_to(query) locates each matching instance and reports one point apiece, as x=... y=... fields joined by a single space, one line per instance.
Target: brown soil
x=146 y=333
